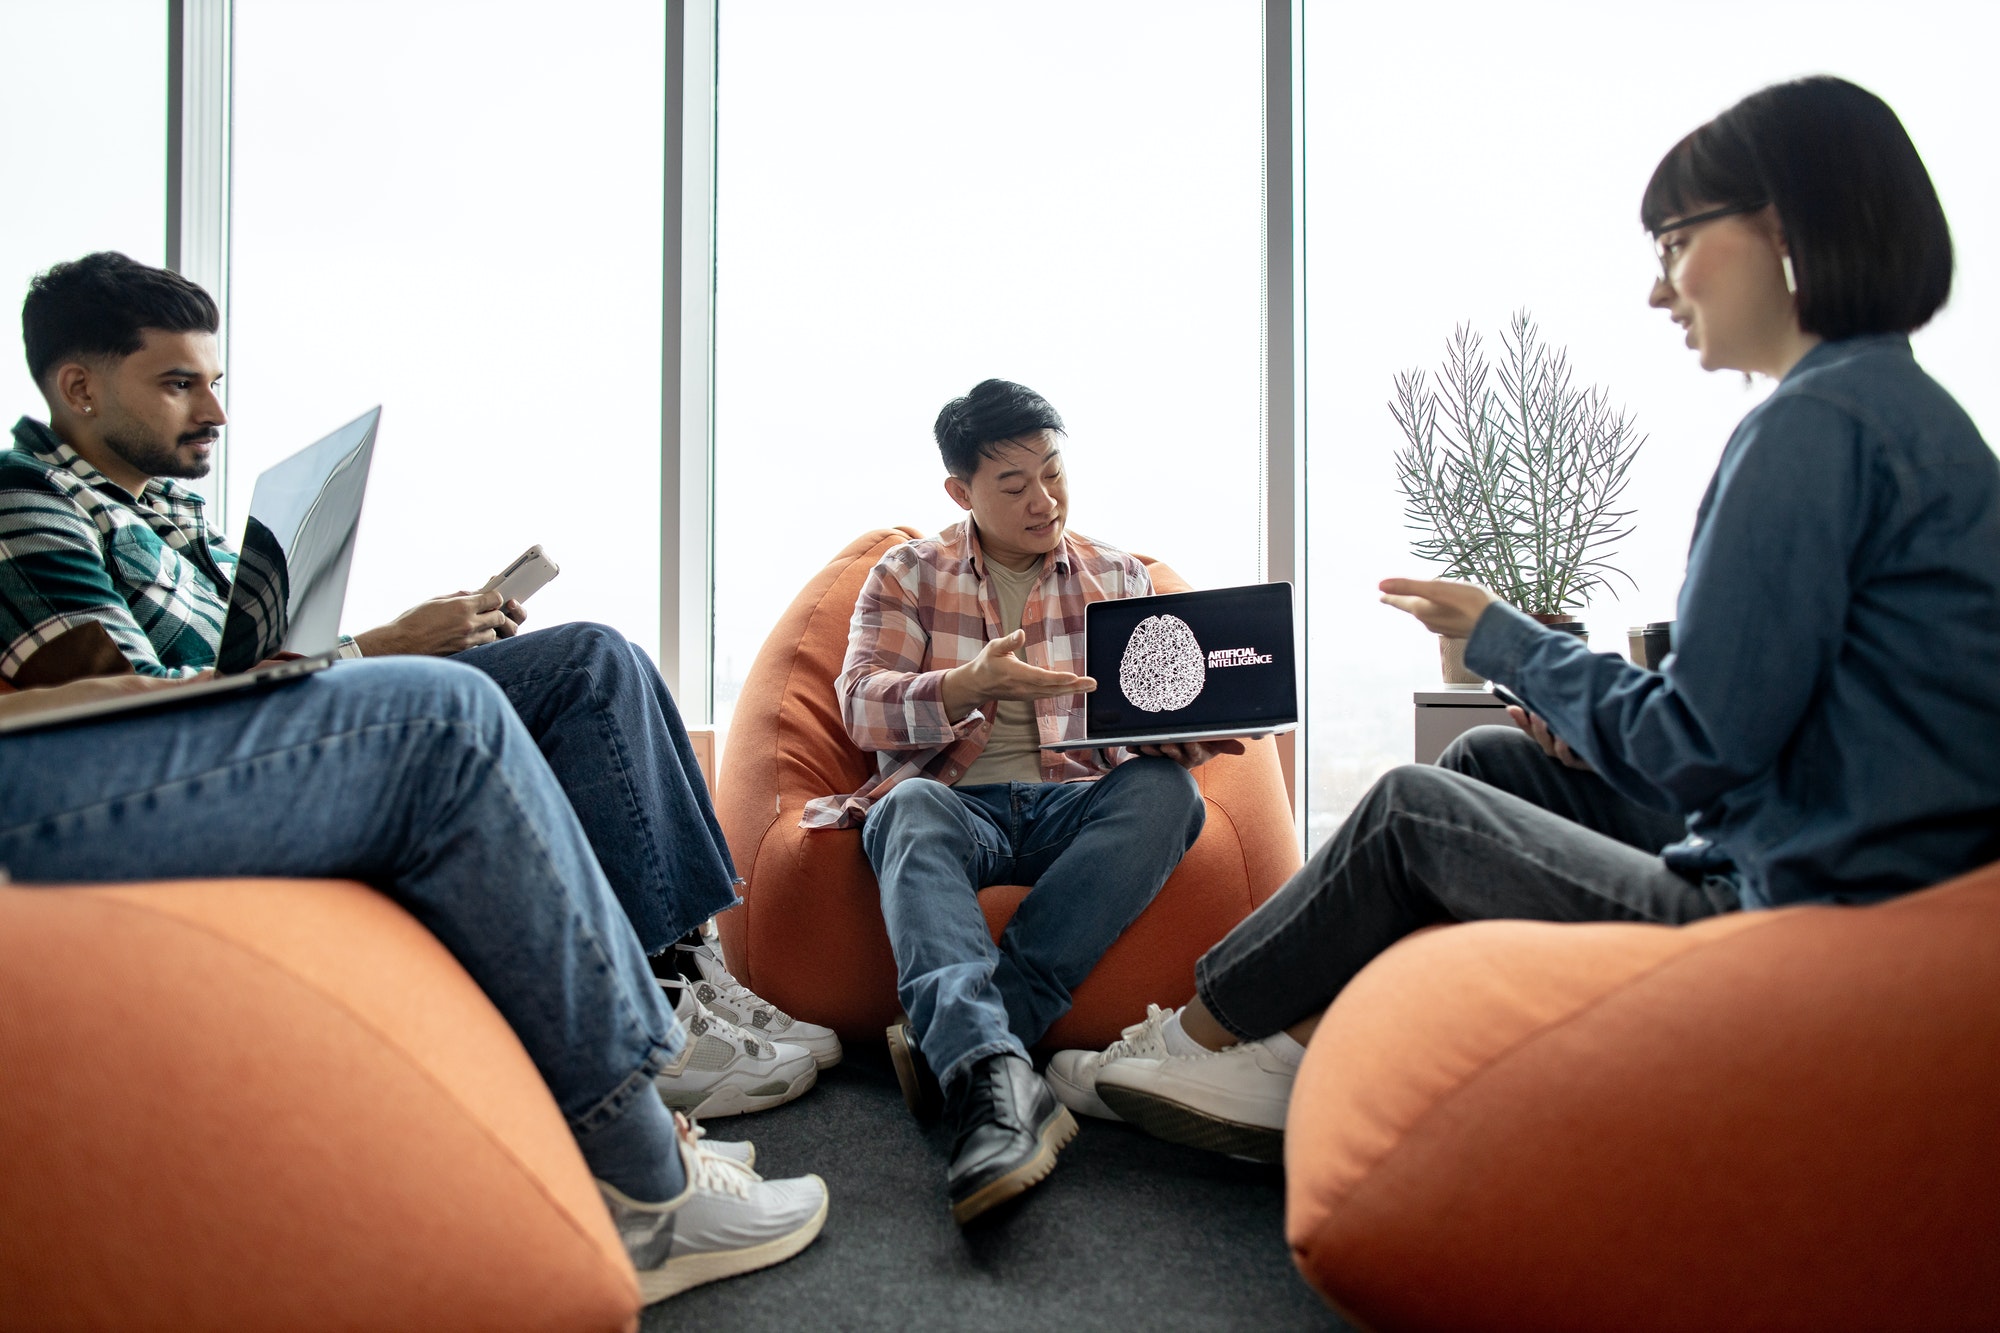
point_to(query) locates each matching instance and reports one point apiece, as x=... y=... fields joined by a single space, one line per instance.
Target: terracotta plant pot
x=1563 y=621
x=1451 y=652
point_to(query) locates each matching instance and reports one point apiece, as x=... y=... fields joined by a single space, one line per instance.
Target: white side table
x=1446 y=711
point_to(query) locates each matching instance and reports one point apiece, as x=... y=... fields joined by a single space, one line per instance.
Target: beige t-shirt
x=1012 y=752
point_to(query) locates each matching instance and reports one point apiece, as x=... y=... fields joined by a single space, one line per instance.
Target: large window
x=912 y=197
x=84 y=154
x=1495 y=162
x=455 y=211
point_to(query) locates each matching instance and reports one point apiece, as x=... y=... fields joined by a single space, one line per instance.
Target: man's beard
x=156 y=459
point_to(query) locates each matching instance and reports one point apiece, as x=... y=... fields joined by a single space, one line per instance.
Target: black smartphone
x=1505 y=696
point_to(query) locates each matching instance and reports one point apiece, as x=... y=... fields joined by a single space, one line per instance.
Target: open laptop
x=1189 y=666
x=291 y=579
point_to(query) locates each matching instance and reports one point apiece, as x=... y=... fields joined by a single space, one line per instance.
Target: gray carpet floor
x=1129 y=1233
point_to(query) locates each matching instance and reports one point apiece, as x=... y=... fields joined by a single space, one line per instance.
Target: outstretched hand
x=1445 y=607
x=997 y=674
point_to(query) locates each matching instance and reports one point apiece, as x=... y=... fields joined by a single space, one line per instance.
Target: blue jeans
x=1096 y=854
x=598 y=709
x=411 y=774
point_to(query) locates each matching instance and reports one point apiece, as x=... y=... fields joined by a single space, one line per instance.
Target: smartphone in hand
x=524 y=577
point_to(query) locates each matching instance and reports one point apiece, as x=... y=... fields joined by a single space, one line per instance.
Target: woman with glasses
x=1828 y=725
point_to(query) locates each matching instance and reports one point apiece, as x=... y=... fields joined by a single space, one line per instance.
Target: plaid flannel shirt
x=929 y=606
x=74 y=547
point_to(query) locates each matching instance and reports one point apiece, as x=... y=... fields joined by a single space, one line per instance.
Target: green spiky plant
x=1515 y=488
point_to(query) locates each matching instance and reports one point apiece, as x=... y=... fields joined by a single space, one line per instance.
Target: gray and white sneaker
x=721 y=993
x=1072 y=1075
x=727 y=1221
x=723 y=1070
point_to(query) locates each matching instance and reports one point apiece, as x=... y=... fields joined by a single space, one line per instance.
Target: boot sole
x=1055 y=1136
x=905 y=1061
x=693 y=1270
x=1178 y=1123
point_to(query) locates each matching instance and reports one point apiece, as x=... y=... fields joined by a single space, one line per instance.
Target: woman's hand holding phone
x=1554 y=746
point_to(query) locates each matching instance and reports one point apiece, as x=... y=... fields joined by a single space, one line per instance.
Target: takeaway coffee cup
x=1650 y=644
x=1565 y=625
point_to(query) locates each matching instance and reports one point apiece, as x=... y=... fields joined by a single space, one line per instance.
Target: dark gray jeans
x=1496 y=829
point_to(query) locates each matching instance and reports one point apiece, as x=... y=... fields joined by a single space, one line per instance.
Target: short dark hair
x=101 y=305
x=1870 y=248
x=973 y=426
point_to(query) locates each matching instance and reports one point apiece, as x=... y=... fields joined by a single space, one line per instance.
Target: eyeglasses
x=1669 y=256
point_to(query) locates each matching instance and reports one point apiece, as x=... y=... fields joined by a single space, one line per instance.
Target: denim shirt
x=1829 y=720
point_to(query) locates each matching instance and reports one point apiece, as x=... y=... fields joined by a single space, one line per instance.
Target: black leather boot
x=1009 y=1129
x=913 y=1073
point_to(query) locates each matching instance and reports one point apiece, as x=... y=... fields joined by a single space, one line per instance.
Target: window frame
x=198 y=244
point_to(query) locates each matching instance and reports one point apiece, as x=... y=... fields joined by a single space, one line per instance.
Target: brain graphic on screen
x=1163 y=667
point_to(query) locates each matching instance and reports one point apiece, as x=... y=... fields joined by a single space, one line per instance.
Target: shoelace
x=707 y=1020
x=696 y=1132
x=1143 y=1033
x=717 y=1175
x=732 y=989
x=711 y=1170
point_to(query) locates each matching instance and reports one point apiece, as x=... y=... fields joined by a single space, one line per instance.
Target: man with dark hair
x=962 y=660
x=95 y=528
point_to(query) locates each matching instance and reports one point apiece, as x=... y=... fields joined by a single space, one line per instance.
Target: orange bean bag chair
x=809 y=934
x=251 y=1104
x=1770 y=1120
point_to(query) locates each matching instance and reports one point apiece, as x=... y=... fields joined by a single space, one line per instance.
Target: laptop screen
x=298 y=543
x=1192 y=661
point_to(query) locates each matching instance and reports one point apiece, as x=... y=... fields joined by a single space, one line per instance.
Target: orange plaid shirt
x=929 y=606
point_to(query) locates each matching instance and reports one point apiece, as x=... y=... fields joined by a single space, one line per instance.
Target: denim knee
x=924 y=801
x=587 y=642
x=1162 y=785
x=1412 y=788
x=1484 y=746
x=449 y=689
x=581 y=660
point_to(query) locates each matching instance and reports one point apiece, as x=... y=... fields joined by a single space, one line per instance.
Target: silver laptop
x=291 y=579
x=1189 y=666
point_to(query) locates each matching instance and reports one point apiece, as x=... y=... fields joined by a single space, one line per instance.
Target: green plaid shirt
x=74 y=546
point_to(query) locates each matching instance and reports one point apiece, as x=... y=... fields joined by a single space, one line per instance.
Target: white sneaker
x=742 y=1152
x=1230 y=1101
x=721 y=993
x=727 y=1221
x=1073 y=1074
x=723 y=1070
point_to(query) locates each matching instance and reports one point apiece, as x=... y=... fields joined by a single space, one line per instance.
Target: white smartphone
x=525 y=577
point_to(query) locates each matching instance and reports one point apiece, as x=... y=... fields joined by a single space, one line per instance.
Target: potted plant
x=1511 y=476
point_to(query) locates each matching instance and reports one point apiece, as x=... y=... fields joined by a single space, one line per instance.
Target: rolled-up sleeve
x=887 y=701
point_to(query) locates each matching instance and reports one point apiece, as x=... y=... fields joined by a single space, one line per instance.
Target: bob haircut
x=1870 y=248
x=975 y=425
